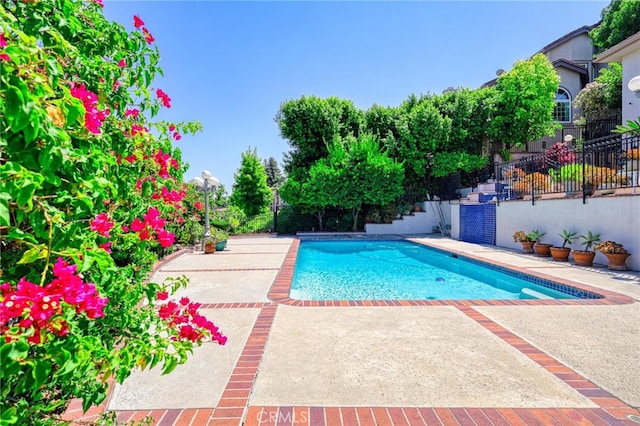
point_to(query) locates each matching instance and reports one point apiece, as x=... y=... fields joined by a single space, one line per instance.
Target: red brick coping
x=233 y=408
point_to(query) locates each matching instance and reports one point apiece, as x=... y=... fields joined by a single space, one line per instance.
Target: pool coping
x=280 y=291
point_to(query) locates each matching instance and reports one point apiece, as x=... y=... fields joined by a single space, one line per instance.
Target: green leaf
x=33 y=254
x=14 y=110
x=41 y=372
x=31 y=131
x=170 y=363
x=8 y=416
x=4 y=208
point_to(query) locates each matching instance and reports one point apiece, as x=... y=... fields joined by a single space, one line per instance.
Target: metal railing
x=579 y=132
x=596 y=167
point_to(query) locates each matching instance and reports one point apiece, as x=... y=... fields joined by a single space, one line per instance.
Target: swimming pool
x=401 y=270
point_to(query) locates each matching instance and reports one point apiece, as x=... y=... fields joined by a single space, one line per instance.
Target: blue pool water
x=400 y=270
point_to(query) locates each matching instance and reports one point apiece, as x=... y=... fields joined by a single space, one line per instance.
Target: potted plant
x=585 y=257
x=616 y=253
x=220 y=238
x=561 y=254
x=541 y=249
x=523 y=238
x=210 y=244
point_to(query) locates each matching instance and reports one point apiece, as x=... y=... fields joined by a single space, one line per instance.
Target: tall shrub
x=91 y=192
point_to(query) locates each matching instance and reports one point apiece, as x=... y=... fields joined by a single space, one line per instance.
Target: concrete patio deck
x=393 y=362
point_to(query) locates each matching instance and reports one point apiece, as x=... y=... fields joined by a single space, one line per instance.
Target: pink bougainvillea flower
x=147 y=36
x=165 y=238
x=144 y=235
x=93 y=117
x=166 y=100
x=99 y=3
x=137 y=225
x=137 y=22
x=4 y=57
x=106 y=247
x=102 y=225
x=3 y=41
x=172 y=127
x=122 y=63
x=131 y=158
x=162 y=295
x=177 y=136
x=198 y=205
x=132 y=112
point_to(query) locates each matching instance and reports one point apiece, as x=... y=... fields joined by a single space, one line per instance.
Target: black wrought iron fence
x=602 y=166
x=578 y=132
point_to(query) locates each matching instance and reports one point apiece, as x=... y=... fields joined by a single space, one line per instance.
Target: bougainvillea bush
x=90 y=192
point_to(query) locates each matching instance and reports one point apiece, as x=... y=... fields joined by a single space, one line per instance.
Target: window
x=562 y=110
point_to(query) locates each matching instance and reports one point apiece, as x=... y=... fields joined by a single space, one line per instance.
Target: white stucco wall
x=630 y=103
x=614 y=218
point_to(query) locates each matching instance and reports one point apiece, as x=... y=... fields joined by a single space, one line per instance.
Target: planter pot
x=584 y=258
x=617 y=261
x=542 y=250
x=527 y=246
x=220 y=245
x=209 y=248
x=561 y=254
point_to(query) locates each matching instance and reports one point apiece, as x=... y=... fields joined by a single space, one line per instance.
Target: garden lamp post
x=204 y=182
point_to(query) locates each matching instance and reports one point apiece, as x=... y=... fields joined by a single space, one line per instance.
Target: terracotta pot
x=617 y=261
x=542 y=250
x=527 y=246
x=584 y=258
x=561 y=254
x=209 y=248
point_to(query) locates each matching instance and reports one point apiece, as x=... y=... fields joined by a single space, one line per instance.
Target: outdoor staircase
x=485 y=193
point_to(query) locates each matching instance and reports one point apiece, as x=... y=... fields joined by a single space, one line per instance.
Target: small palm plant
x=567 y=237
x=536 y=235
x=589 y=240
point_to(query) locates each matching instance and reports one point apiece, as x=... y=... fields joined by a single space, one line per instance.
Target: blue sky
x=231 y=64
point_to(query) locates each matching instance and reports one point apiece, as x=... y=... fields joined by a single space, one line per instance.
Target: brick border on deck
x=233 y=408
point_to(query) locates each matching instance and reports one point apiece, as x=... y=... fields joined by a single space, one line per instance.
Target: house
x=627 y=52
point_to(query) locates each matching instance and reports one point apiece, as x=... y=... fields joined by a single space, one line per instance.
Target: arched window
x=562 y=110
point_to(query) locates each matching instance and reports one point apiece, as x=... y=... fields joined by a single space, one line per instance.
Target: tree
x=592 y=102
x=611 y=77
x=363 y=174
x=427 y=132
x=314 y=193
x=525 y=102
x=470 y=112
x=620 y=20
x=274 y=174
x=250 y=191
x=310 y=123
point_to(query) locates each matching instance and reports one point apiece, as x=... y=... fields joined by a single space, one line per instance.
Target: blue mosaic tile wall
x=478 y=223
